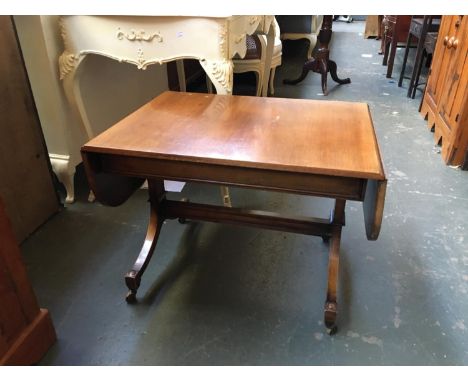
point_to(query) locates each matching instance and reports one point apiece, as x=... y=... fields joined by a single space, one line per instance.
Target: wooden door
x=439 y=64
x=453 y=91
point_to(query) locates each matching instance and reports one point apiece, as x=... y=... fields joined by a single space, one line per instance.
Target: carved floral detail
x=221 y=71
x=223 y=40
x=254 y=19
x=239 y=38
x=141 y=61
x=67 y=62
x=138 y=35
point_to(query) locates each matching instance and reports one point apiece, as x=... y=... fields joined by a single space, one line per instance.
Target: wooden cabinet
x=445 y=103
x=26 y=331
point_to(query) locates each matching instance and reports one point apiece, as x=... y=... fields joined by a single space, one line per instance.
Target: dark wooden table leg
x=321 y=63
x=331 y=305
x=133 y=277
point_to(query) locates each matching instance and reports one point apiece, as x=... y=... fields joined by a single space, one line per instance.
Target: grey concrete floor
x=223 y=295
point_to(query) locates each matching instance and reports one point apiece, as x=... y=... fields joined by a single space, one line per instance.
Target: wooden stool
x=253 y=142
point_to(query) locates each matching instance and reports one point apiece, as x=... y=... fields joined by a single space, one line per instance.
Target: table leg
x=133 y=277
x=181 y=75
x=220 y=73
x=268 y=56
x=331 y=306
x=321 y=63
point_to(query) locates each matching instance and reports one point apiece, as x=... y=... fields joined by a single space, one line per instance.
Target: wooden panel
x=12 y=319
x=373 y=207
x=26 y=181
x=26 y=332
x=33 y=343
x=454 y=88
x=438 y=72
x=250 y=132
x=445 y=103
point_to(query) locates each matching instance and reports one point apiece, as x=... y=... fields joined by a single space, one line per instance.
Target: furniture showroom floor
x=225 y=295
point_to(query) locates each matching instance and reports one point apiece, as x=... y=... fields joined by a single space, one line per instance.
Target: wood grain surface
x=308 y=136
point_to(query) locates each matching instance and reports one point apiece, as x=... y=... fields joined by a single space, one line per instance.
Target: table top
x=319 y=137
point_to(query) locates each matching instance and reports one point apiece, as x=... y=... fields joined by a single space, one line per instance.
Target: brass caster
x=332 y=331
x=330 y=317
x=131 y=297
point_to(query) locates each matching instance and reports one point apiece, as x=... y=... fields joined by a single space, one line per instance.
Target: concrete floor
x=223 y=295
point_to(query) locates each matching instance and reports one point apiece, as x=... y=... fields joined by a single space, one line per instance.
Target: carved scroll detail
x=138 y=35
x=67 y=62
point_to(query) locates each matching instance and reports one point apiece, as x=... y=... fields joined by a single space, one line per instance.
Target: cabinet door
x=440 y=62
x=455 y=84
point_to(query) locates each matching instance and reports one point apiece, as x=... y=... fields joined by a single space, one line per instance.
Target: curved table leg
x=331 y=305
x=332 y=69
x=133 y=277
x=321 y=63
x=220 y=73
x=65 y=172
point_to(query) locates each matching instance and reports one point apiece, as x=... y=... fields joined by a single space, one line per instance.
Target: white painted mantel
x=74 y=51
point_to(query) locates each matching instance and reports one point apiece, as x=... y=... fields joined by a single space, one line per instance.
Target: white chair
x=254 y=60
x=315 y=25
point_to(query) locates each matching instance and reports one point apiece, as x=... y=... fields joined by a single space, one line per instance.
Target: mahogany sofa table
x=317 y=148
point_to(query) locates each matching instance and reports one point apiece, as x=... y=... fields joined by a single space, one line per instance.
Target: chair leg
x=391 y=57
x=416 y=68
x=405 y=59
x=259 y=76
x=272 y=80
x=386 y=46
x=418 y=73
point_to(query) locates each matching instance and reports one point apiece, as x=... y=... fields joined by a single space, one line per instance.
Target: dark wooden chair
x=394 y=31
x=419 y=29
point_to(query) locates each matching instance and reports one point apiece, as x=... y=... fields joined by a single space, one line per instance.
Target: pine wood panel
x=445 y=103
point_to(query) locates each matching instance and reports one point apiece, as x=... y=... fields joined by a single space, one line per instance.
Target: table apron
x=274 y=180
